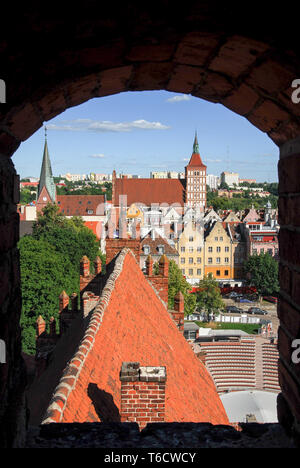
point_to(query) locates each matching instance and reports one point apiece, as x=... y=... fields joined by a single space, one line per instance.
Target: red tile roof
x=150 y=191
x=78 y=205
x=154 y=243
x=130 y=323
x=196 y=160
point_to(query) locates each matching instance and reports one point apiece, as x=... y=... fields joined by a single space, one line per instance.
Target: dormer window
x=146 y=249
x=161 y=249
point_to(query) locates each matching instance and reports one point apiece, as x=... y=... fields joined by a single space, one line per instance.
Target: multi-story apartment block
x=190 y=246
x=218 y=251
x=212 y=181
x=229 y=178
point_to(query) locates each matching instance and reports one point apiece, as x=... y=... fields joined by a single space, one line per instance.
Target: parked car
x=272 y=299
x=242 y=299
x=234 y=310
x=257 y=311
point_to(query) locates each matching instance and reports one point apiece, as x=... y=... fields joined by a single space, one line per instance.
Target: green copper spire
x=195 y=145
x=46 y=177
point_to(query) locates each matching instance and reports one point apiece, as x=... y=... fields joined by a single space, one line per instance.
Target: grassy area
x=251 y=328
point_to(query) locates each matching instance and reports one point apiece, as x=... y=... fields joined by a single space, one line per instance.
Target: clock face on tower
x=44 y=198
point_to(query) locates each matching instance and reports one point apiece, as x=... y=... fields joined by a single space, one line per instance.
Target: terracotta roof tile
x=79 y=205
x=154 y=243
x=131 y=325
x=196 y=161
x=150 y=191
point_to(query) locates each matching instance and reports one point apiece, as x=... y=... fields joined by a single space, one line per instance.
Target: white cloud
x=100 y=155
x=179 y=97
x=80 y=125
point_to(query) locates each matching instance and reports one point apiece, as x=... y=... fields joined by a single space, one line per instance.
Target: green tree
x=50 y=264
x=44 y=274
x=176 y=283
x=209 y=296
x=69 y=236
x=262 y=271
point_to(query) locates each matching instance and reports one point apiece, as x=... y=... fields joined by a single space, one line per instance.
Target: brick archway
x=214 y=55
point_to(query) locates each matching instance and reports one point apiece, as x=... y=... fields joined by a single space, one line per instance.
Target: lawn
x=251 y=328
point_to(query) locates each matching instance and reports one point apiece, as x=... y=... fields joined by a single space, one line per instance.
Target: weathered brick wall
x=142 y=394
x=12 y=372
x=114 y=246
x=289 y=275
x=195 y=50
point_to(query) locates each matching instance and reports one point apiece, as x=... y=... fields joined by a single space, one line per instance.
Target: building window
x=218 y=249
x=161 y=249
x=199 y=249
x=191 y=238
x=226 y=249
x=221 y=239
x=198 y=259
x=210 y=249
x=218 y=260
x=226 y=259
x=183 y=271
x=209 y=260
x=254 y=251
x=191 y=249
x=146 y=249
x=216 y=238
x=199 y=271
x=182 y=260
x=191 y=260
x=270 y=251
x=182 y=249
x=226 y=273
x=191 y=271
x=218 y=273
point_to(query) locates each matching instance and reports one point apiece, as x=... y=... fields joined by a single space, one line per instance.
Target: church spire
x=196 y=145
x=46 y=177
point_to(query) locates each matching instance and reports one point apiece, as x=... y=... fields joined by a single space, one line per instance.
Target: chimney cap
x=84 y=259
x=63 y=294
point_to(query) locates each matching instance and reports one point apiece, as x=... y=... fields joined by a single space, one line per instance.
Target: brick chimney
x=178 y=311
x=149 y=266
x=142 y=393
x=161 y=281
x=98 y=265
x=40 y=326
x=63 y=301
x=85 y=267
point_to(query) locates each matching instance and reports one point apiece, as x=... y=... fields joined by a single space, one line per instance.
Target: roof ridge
x=58 y=402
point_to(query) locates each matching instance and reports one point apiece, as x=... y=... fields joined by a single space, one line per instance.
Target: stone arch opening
x=197 y=52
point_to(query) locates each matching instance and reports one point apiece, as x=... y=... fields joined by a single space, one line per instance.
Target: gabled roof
x=80 y=205
x=129 y=324
x=150 y=191
x=154 y=243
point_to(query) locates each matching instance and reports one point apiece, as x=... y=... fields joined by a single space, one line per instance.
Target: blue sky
x=137 y=132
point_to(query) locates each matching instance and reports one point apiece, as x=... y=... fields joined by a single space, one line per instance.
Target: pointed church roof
x=46 y=177
x=196 y=158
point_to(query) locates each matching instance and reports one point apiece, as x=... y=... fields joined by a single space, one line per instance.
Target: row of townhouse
x=219 y=248
x=221 y=244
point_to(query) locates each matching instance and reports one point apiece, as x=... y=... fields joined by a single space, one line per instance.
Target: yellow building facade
x=190 y=246
x=218 y=252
